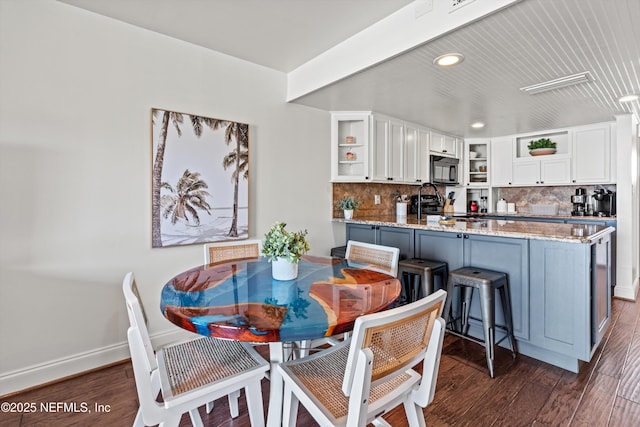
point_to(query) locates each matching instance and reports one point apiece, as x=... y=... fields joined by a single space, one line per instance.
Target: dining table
x=239 y=300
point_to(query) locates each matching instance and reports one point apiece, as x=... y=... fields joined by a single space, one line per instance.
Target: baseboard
x=627 y=293
x=58 y=369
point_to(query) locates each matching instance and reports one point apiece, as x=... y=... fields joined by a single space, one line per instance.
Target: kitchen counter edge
x=516 y=229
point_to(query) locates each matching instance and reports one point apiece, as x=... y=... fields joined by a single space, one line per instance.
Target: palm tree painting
x=199 y=186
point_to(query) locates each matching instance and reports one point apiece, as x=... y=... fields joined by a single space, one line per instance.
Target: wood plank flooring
x=525 y=392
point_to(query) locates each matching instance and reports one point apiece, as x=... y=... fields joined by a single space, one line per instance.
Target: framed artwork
x=200 y=179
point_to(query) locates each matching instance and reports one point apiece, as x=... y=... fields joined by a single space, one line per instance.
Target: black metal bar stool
x=417 y=275
x=487 y=282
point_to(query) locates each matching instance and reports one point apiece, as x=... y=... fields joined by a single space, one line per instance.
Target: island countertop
x=572 y=233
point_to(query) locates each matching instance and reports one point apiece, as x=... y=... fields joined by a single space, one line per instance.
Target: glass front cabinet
x=350 y=146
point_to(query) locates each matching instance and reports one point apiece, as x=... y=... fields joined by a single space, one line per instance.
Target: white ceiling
x=529 y=42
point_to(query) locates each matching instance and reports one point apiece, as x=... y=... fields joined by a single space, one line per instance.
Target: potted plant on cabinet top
x=348 y=204
x=541 y=147
x=284 y=249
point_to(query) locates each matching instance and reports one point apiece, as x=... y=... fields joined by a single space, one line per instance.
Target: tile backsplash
x=366 y=192
x=523 y=197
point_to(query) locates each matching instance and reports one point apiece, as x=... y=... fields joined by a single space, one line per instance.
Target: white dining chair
x=229 y=251
x=382 y=258
x=359 y=380
x=190 y=374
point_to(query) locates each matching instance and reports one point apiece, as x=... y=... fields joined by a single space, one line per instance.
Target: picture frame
x=200 y=179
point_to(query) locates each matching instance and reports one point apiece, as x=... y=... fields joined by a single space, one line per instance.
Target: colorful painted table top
x=240 y=300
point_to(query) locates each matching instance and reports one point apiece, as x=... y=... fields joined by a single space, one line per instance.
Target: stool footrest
x=477 y=340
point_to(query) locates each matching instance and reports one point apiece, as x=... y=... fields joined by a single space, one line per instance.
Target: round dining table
x=240 y=300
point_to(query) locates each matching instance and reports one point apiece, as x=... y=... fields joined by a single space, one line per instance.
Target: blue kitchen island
x=559 y=274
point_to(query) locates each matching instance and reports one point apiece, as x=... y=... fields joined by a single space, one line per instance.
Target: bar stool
x=487 y=282
x=421 y=271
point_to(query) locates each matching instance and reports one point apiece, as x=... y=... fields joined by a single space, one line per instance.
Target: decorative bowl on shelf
x=542 y=151
x=473 y=154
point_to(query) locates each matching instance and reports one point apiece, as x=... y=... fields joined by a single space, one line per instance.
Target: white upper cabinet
x=416 y=153
x=591 y=154
x=444 y=145
x=550 y=169
x=476 y=157
x=387 y=147
x=350 y=146
x=501 y=171
x=542 y=172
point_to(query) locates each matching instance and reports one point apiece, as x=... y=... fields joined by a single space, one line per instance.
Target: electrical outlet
x=376 y=199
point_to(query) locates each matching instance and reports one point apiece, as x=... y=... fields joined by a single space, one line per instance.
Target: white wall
x=76 y=91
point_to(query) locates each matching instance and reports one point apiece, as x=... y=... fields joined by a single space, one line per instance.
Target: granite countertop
x=572 y=233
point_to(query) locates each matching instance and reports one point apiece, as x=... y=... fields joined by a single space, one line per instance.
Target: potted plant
x=284 y=249
x=541 y=147
x=348 y=204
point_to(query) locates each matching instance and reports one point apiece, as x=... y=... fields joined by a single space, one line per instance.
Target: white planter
x=282 y=269
x=348 y=214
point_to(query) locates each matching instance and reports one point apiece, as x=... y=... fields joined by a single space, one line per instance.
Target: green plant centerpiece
x=280 y=243
x=348 y=204
x=284 y=249
x=541 y=146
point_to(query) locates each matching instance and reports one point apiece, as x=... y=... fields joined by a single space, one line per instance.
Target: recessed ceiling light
x=448 y=59
x=477 y=125
x=628 y=98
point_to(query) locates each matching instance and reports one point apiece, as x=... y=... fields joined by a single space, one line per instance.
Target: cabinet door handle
x=509 y=183
x=466 y=236
x=459 y=236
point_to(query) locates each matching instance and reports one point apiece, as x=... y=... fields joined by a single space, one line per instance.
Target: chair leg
x=415 y=416
x=253 y=393
x=209 y=407
x=138 y=422
x=448 y=314
x=233 y=403
x=506 y=310
x=195 y=419
x=466 y=295
x=289 y=407
x=487 y=306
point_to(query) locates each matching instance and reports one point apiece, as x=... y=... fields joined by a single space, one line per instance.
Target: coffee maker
x=579 y=201
x=604 y=202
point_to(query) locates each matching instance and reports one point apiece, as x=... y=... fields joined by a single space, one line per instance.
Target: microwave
x=444 y=170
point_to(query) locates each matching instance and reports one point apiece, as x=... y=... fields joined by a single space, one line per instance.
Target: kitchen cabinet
x=387 y=148
x=507 y=255
x=396 y=237
x=444 y=145
x=591 y=154
x=559 y=272
x=556 y=169
x=416 y=154
x=350 y=146
x=501 y=160
x=551 y=169
x=476 y=162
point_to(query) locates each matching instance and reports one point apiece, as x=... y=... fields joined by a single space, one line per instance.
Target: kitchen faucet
x=438 y=197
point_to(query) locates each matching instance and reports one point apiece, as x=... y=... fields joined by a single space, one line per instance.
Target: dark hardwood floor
x=525 y=392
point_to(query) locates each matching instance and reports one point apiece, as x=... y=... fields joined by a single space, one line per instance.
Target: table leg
x=276 y=390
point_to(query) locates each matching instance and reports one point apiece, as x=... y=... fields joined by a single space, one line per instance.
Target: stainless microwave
x=444 y=170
